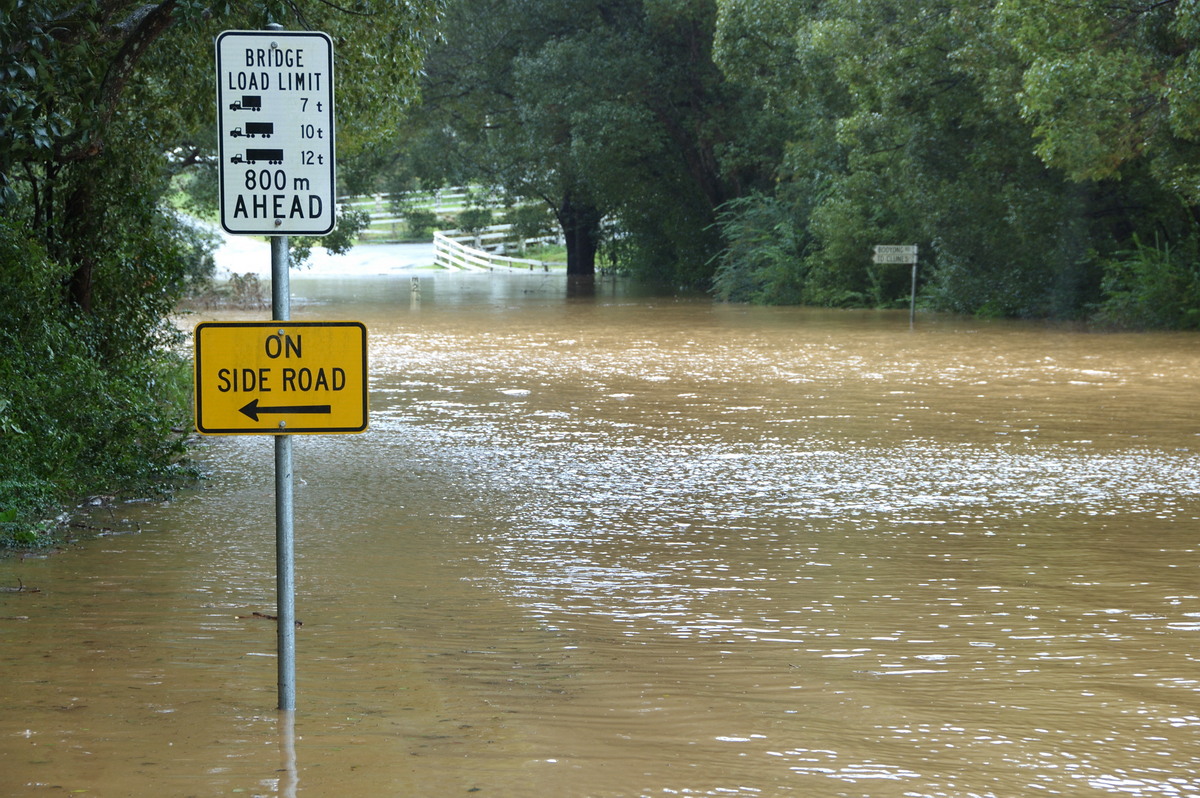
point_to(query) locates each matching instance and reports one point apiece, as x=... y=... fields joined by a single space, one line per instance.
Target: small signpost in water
x=278 y=377
x=901 y=253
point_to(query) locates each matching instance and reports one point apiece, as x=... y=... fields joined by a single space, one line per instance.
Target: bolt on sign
x=275 y=129
x=280 y=377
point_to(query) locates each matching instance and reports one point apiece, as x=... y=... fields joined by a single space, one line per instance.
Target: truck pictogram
x=252 y=129
x=249 y=102
x=270 y=156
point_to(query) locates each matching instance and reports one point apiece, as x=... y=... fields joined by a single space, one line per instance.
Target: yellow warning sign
x=280 y=377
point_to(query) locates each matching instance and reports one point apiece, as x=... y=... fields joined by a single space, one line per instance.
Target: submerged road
x=251 y=254
x=628 y=545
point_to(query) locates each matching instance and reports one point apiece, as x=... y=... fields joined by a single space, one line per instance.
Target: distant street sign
x=275 y=129
x=895 y=253
x=280 y=377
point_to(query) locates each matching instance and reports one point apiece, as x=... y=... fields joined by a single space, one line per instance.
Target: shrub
x=1151 y=287
x=531 y=221
x=763 y=260
x=474 y=220
x=82 y=410
x=421 y=223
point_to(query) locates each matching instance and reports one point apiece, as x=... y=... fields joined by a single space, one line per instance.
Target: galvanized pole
x=285 y=560
x=285 y=546
x=912 y=302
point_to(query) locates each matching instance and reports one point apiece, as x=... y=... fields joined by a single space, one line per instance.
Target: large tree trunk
x=80 y=229
x=581 y=227
x=81 y=222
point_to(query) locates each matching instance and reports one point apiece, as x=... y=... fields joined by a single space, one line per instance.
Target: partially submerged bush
x=81 y=410
x=1152 y=287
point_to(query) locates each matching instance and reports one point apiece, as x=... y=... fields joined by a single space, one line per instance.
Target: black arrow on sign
x=252 y=409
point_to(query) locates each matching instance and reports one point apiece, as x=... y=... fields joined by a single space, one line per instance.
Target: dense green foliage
x=1026 y=147
x=84 y=406
x=762 y=147
x=102 y=102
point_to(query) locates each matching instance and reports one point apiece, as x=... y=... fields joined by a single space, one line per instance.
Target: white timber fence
x=444 y=200
x=484 y=251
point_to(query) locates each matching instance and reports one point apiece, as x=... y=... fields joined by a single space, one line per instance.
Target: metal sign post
x=902 y=253
x=281 y=378
x=285 y=550
x=276 y=156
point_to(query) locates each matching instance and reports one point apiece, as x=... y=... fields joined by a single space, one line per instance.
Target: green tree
x=1112 y=91
x=603 y=110
x=101 y=97
x=1106 y=84
x=908 y=127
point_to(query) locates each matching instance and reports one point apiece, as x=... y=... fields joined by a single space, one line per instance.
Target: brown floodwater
x=624 y=545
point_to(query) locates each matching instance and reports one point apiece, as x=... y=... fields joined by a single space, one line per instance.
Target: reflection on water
x=623 y=545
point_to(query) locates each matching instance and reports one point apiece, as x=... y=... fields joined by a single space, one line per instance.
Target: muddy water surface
x=629 y=546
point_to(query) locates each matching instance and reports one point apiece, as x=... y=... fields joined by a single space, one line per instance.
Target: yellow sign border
x=291 y=427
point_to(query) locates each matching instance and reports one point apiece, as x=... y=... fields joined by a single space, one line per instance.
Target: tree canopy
x=610 y=112
x=1036 y=152
x=1041 y=156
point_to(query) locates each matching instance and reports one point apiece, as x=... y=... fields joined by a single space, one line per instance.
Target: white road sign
x=895 y=253
x=275 y=128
